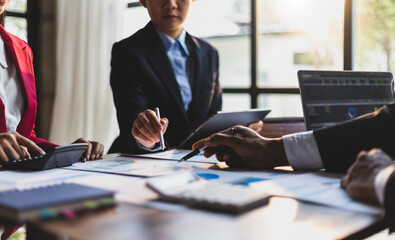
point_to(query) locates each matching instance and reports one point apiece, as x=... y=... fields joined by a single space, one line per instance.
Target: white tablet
x=222 y=121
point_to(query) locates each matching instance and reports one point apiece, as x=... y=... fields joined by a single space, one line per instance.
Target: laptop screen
x=330 y=97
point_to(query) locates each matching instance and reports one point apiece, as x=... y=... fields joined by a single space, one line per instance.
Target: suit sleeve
x=129 y=96
x=42 y=143
x=339 y=145
x=389 y=201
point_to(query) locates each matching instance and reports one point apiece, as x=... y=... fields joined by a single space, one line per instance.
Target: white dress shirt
x=177 y=52
x=11 y=92
x=302 y=151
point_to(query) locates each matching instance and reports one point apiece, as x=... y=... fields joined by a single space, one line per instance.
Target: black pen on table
x=193 y=153
x=161 y=139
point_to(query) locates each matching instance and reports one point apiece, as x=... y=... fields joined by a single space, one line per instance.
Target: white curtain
x=83 y=107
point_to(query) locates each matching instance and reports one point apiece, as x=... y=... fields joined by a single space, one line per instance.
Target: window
x=296 y=35
x=375 y=35
x=263 y=43
x=292 y=36
x=16 y=18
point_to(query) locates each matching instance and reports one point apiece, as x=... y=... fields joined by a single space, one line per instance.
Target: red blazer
x=22 y=57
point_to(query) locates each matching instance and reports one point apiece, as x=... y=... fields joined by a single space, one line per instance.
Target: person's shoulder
x=137 y=39
x=132 y=40
x=18 y=42
x=203 y=45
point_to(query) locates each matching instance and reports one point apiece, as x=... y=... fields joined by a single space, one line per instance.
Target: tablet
x=222 y=121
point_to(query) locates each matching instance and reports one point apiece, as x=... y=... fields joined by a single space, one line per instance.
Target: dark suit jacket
x=142 y=78
x=22 y=57
x=339 y=145
x=389 y=201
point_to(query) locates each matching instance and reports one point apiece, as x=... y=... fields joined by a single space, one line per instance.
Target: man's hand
x=93 y=152
x=14 y=146
x=243 y=147
x=146 y=128
x=359 y=181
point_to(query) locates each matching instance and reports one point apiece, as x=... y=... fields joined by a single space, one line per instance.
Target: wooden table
x=282 y=218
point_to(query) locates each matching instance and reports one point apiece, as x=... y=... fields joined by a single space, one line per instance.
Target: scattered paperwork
x=320 y=188
x=142 y=167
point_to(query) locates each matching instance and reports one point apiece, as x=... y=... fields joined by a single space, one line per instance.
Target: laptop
x=331 y=97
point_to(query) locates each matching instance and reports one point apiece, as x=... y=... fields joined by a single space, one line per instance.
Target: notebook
x=331 y=97
x=60 y=200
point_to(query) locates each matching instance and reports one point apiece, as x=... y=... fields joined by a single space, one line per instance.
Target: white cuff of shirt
x=302 y=151
x=380 y=181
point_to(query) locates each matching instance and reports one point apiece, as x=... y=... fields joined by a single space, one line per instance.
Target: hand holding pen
x=241 y=146
x=200 y=145
x=147 y=127
x=193 y=153
x=161 y=139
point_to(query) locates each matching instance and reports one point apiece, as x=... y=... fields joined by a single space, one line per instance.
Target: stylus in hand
x=161 y=139
x=193 y=153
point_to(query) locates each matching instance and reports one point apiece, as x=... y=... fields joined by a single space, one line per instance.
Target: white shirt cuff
x=302 y=151
x=380 y=182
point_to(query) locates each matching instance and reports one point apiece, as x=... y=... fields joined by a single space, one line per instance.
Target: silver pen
x=161 y=139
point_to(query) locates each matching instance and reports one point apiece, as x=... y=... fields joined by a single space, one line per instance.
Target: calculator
x=60 y=156
x=187 y=188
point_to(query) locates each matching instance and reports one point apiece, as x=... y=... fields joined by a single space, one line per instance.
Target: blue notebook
x=64 y=200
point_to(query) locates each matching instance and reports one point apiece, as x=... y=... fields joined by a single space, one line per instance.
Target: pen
x=193 y=153
x=161 y=139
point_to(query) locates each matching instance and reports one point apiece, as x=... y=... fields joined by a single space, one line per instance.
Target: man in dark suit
x=370 y=176
x=333 y=148
x=162 y=66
